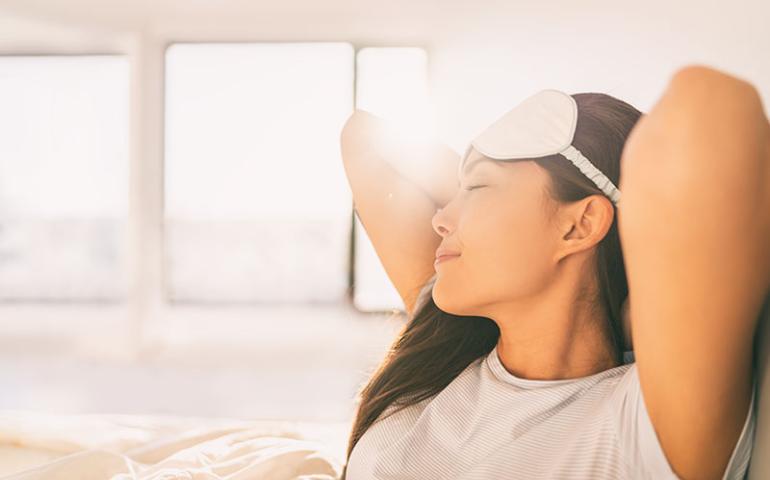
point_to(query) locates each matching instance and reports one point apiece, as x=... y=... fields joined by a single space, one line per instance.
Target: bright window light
x=392 y=83
x=256 y=200
x=63 y=176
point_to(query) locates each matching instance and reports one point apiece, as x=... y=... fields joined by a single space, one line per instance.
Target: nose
x=440 y=223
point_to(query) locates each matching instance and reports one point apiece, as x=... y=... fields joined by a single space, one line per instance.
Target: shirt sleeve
x=640 y=441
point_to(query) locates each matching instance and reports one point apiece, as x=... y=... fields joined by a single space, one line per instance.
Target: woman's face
x=502 y=230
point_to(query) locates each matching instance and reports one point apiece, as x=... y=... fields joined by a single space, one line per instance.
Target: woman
x=511 y=363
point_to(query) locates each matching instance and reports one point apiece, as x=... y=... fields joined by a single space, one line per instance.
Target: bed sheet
x=41 y=446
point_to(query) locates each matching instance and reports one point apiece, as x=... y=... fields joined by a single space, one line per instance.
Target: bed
x=36 y=445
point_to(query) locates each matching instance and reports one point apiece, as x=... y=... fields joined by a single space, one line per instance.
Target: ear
x=583 y=224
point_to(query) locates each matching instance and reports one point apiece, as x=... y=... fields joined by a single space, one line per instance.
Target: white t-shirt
x=490 y=424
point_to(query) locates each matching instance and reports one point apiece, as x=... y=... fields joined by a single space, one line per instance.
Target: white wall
x=485 y=55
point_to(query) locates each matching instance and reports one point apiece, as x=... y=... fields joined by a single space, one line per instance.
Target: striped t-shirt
x=490 y=424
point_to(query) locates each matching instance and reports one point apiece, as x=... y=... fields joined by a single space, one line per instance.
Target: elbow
x=352 y=124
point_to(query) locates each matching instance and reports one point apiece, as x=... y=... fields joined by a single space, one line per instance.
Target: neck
x=552 y=335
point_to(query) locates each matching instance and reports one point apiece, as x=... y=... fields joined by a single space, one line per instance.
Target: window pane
x=257 y=204
x=391 y=83
x=63 y=176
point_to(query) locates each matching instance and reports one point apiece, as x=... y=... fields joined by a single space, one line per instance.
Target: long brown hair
x=434 y=346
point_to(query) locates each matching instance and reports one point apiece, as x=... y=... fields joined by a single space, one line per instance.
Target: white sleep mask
x=541 y=125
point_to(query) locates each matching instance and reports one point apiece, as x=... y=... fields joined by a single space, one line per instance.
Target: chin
x=441 y=300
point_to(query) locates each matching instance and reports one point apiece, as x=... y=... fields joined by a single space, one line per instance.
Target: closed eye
x=473 y=187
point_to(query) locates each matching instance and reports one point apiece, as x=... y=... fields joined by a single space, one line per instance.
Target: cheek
x=510 y=252
x=506 y=253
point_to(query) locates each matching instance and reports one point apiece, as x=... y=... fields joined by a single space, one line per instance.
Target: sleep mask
x=541 y=125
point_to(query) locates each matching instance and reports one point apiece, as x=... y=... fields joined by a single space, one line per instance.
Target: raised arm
x=397 y=186
x=694 y=222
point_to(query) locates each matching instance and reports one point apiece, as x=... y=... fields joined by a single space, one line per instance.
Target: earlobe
x=570 y=241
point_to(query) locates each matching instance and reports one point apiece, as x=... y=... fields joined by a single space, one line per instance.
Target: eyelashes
x=474 y=187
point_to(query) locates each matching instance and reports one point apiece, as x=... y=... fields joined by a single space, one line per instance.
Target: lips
x=444 y=258
x=445 y=252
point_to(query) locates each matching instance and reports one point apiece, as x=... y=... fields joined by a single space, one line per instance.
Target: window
x=257 y=204
x=63 y=177
x=257 y=207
